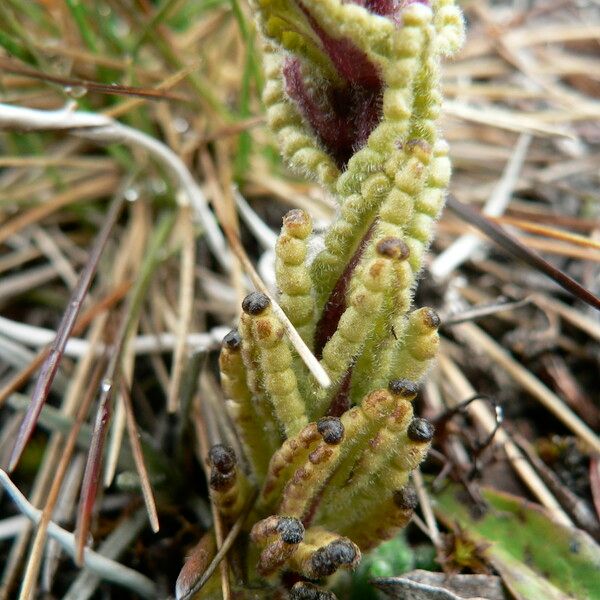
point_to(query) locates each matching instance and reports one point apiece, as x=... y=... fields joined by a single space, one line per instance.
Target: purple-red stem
x=336 y=304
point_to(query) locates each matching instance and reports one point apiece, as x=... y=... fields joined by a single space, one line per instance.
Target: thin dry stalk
x=93 y=188
x=52 y=362
x=425 y=503
x=91 y=475
x=50 y=248
x=475 y=338
x=521 y=251
x=504 y=119
x=567 y=249
x=167 y=83
x=36 y=553
x=227 y=218
x=95 y=163
x=301 y=348
x=559 y=234
x=10 y=66
x=106 y=303
x=130 y=257
x=202 y=438
x=138 y=457
x=461 y=388
x=221 y=554
x=467 y=245
x=186 y=304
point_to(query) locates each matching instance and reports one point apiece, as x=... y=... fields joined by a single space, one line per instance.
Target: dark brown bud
x=331 y=429
x=309 y=591
x=420 y=430
x=222 y=458
x=431 y=318
x=406 y=498
x=233 y=340
x=393 y=248
x=291 y=530
x=255 y=303
x=325 y=561
x=403 y=388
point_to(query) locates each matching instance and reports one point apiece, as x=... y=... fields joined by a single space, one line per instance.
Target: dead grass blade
x=454 y=378
x=301 y=348
x=223 y=550
x=52 y=362
x=186 y=304
x=553 y=232
x=10 y=66
x=21 y=378
x=517 y=249
x=87 y=189
x=138 y=457
x=35 y=555
x=91 y=476
x=482 y=342
x=203 y=438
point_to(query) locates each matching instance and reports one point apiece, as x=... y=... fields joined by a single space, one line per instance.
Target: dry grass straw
x=524 y=73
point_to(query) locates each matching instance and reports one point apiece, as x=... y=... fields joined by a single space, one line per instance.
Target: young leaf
x=536 y=557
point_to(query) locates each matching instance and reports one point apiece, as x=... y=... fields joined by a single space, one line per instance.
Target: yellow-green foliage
x=292 y=274
x=331 y=467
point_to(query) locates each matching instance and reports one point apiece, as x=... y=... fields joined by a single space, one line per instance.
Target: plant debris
x=157 y=106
